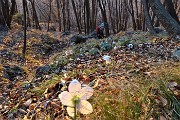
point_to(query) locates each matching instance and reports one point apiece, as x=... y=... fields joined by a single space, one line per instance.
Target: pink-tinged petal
x=86 y=92
x=70 y=111
x=66 y=98
x=74 y=86
x=85 y=107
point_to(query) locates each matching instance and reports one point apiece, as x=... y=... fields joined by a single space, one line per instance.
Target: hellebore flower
x=107 y=59
x=76 y=98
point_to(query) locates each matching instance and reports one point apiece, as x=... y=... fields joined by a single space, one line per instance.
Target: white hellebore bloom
x=77 y=97
x=130 y=46
x=107 y=59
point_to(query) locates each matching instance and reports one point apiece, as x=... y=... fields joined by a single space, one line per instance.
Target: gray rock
x=13 y=72
x=65 y=33
x=43 y=70
x=158 y=29
x=92 y=35
x=78 y=39
x=176 y=54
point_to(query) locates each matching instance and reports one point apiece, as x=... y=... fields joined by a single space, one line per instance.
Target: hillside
x=142 y=80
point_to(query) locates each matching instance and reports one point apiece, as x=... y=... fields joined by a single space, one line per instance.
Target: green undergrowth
x=141 y=99
x=39 y=90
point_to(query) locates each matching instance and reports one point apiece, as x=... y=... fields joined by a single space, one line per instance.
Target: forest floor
x=142 y=81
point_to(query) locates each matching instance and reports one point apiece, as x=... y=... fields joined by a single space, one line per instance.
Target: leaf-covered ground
x=141 y=82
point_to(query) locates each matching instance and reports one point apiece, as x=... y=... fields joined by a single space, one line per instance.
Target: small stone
x=1 y=107
x=176 y=54
x=22 y=111
x=28 y=102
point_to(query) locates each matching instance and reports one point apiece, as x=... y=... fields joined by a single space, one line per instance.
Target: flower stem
x=75 y=109
x=76 y=102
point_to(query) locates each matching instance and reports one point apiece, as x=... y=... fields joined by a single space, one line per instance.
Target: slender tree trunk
x=2 y=17
x=25 y=28
x=84 y=17
x=87 y=6
x=59 y=19
x=103 y=12
x=13 y=6
x=93 y=15
x=35 y=17
x=132 y=14
x=28 y=18
x=49 y=17
x=75 y=12
x=110 y=15
x=68 y=16
x=148 y=18
x=6 y=12
x=64 y=15
x=117 y=16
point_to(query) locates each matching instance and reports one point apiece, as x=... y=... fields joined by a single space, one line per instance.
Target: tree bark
x=170 y=8
x=64 y=15
x=75 y=12
x=7 y=11
x=35 y=17
x=171 y=25
x=93 y=14
x=49 y=16
x=68 y=21
x=132 y=14
x=148 y=18
x=58 y=10
x=103 y=12
x=2 y=20
x=87 y=6
x=25 y=28
x=12 y=11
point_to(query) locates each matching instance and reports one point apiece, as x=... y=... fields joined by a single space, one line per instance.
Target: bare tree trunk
x=110 y=15
x=68 y=15
x=170 y=8
x=87 y=6
x=103 y=12
x=148 y=18
x=28 y=18
x=171 y=25
x=7 y=11
x=35 y=17
x=132 y=14
x=13 y=7
x=59 y=19
x=49 y=16
x=64 y=15
x=93 y=14
x=117 y=15
x=75 y=12
x=84 y=17
x=25 y=28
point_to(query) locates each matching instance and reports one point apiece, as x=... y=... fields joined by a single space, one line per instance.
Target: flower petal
x=66 y=98
x=86 y=92
x=84 y=107
x=70 y=111
x=106 y=57
x=74 y=86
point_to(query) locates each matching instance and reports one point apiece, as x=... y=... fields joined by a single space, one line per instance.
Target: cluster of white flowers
x=68 y=52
